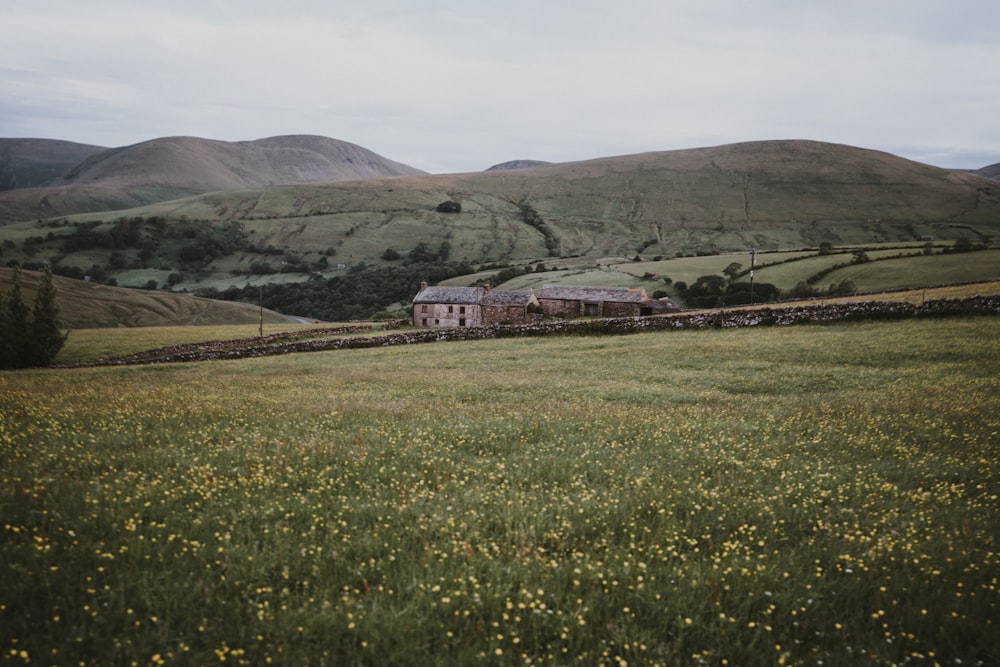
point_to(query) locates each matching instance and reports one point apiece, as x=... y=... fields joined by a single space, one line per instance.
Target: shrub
x=844 y=287
x=449 y=206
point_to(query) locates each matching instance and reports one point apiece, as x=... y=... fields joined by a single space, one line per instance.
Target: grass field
x=807 y=495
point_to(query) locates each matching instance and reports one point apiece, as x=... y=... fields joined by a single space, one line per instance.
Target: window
x=461 y=322
x=451 y=309
x=423 y=309
x=423 y=321
x=461 y=309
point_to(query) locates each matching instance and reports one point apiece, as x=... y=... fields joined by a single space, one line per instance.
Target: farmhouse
x=442 y=306
x=570 y=301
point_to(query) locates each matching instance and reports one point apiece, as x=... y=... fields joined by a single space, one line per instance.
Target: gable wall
x=446 y=315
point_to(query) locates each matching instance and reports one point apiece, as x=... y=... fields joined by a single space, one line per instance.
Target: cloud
x=453 y=85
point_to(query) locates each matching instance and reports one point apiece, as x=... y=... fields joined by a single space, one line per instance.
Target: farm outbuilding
x=573 y=301
x=443 y=306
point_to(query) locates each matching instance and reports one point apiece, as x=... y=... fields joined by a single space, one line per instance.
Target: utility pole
x=753 y=263
x=260 y=305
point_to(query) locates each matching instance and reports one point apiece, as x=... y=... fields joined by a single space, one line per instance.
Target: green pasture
x=809 y=495
x=886 y=270
x=91 y=344
x=920 y=270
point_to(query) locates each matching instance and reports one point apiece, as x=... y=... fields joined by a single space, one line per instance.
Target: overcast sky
x=460 y=85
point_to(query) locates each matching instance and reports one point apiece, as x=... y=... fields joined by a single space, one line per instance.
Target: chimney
x=486 y=287
x=423 y=285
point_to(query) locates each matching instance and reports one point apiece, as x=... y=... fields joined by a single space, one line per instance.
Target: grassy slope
x=769 y=195
x=85 y=305
x=174 y=167
x=26 y=163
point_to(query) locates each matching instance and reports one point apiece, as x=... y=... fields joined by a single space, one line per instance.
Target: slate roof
x=593 y=294
x=474 y=295
x=500 y=297
x=454 y=295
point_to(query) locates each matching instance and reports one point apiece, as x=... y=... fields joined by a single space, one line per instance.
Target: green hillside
x=174 y=167
x=33 y=163
x=88 y=305
x=622 y=213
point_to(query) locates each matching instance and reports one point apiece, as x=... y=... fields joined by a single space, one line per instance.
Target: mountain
x=517 y=164
x=176 y=167
x=769 y=195
x=33 y=163
x=992 y=171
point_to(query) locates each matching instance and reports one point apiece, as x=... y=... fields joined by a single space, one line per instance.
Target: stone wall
x=764 y=316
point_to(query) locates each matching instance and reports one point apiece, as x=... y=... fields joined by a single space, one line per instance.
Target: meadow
x=804 y=495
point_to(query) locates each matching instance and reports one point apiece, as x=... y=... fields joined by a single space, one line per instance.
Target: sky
x=460 y=85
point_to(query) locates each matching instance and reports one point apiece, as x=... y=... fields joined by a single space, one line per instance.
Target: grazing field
x=805 y=495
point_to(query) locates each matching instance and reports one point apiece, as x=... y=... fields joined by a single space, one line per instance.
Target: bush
x=843 y=288
x=449 y=207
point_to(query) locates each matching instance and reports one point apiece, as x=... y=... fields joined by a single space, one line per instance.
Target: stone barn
x=442 y=306
x=571 y=301
x=507 y=306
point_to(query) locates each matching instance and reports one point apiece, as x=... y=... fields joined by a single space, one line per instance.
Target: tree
x=48 y=337
x=732 y=270
x=30 y=337
x=14 y=333
x=844 y=287
x=962 y=244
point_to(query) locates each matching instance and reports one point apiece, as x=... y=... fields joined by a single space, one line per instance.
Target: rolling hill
x=175 y=167
x=769 y=195
x=89 y=305
x=36 y=163
x=991 y=171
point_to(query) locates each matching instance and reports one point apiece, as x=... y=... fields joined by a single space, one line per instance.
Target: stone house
x=441 y=306
x=572 y=301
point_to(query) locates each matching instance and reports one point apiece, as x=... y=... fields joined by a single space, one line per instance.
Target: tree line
x=360 y=294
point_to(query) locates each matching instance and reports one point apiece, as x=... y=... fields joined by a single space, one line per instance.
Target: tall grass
x=782 y=496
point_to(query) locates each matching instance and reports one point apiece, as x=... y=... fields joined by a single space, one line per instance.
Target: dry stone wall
x=334 y=339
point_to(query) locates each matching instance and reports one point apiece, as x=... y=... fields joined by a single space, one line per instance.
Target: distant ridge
x=175 y=167
x=992 y=171
x=517 y=164
x=208 y=165
x=34 y=163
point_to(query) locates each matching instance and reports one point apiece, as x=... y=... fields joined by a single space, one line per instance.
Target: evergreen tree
x=29 y=337
x=47 y=338
x=14 y=335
